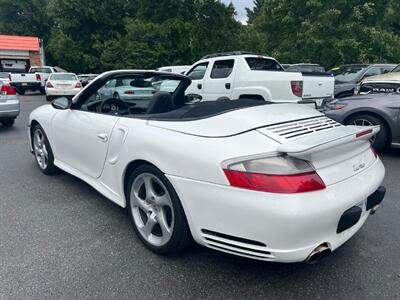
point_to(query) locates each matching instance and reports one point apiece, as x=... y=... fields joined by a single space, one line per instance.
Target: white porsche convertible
x=274 y=182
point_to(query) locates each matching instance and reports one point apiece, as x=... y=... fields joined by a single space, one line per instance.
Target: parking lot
x=59 y=238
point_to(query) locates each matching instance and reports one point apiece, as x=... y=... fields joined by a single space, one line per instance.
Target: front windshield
x=348 y=73
x=397 y=69
x=134 y=90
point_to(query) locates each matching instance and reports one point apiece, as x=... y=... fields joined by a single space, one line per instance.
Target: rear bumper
x=272 y=227
x=61 y=92
x=32 y=86
x=9 y=109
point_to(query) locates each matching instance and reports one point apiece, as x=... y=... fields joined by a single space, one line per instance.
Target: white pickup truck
x=34 y=80
x=236 y=75
x=318 y=85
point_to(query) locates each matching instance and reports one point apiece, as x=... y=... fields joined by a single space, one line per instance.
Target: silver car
x=370 y=109
x=9 y=104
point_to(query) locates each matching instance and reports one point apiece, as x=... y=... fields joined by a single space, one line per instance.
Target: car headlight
x=357 y=89
x=335 y=105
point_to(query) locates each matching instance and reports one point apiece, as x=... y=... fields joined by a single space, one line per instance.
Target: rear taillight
x=363 y=133
x=78 y=85
x=49 y=85
x=7 y=89
x=297 y=88
x=279 y=174
x=129 y=92
x=38 y=78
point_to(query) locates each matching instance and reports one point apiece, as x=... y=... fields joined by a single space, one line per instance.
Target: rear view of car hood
x=240 y=120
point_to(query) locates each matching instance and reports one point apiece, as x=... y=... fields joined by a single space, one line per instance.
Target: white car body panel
x=191 y=154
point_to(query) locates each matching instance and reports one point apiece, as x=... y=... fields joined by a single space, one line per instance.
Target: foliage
x=329 y=32
x=98 y=35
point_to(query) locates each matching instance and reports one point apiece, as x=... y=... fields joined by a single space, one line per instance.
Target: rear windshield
x=263 y=64
x=69 y=77
x=40 y=70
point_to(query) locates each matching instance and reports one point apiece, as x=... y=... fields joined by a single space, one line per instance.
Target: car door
x=219 y=82
x=81 y=138
x=197 y=74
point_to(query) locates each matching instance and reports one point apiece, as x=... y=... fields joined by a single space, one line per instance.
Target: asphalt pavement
x=60 y=239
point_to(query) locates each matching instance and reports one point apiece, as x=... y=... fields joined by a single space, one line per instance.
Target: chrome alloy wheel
x=152 y=209
x=39 y=147
x=364 y=122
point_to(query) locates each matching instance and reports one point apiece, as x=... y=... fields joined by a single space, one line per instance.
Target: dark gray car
x=372 y=109
x=347 y=76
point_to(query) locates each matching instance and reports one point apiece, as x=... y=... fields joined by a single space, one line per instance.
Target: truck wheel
x=42 y=91
x=21 y=92
x=382 y=138
x=7 y=122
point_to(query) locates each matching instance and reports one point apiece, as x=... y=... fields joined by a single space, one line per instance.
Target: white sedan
x=62 y=84
x=274 y=182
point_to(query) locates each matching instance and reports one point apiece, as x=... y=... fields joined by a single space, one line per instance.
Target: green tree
x=25 y=17
x=328 y=32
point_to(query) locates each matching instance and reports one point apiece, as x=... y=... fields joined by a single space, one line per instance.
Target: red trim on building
x=13 y=42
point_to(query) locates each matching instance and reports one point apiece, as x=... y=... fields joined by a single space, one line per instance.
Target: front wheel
x=42 y=151
x=382 y=138
x=156 y=212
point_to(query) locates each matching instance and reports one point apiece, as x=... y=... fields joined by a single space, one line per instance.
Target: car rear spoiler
x=303 y=148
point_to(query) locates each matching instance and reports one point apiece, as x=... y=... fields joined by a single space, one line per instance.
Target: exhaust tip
x=317 y=254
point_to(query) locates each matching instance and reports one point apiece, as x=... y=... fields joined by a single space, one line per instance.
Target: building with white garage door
x=18 y=53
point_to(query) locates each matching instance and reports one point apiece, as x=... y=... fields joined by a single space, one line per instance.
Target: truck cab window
x=198 y=71
x=222 y=68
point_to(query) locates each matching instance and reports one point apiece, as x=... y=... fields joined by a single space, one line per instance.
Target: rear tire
x=42 y=91
x=49 y=98
x=21 y=92
x=156 y=212
x=7 y=122
x=43 y=153
x=382 y=138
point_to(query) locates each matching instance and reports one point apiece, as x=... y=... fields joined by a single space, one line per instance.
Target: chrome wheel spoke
x=165 y=229
x=149 y=226
x=163 y=200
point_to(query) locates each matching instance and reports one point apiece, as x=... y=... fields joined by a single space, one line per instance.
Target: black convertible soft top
x=207 y=109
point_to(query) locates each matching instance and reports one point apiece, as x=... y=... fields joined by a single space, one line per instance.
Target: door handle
x=199 y=86
x=103 y=137
x=227 y=86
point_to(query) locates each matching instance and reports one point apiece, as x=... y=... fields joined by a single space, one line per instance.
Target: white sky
x=240 y=6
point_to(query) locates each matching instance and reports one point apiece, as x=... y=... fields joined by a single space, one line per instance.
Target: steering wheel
x=114 y=106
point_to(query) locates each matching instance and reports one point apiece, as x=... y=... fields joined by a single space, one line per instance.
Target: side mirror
x=62 y=103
